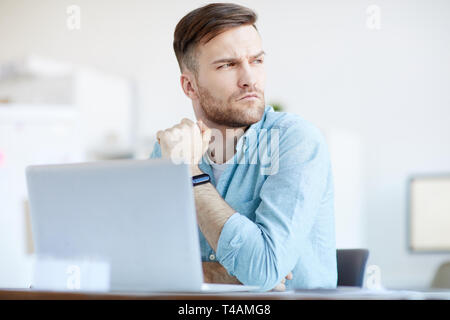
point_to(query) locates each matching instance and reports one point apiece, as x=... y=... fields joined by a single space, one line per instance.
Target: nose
x=247 y=77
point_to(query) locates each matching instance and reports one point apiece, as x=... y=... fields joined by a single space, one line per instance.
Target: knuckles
x=184 y=128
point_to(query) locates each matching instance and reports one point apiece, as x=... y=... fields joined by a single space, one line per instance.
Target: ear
x=189 y=85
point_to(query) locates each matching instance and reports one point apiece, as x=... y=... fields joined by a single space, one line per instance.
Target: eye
x=258 y=61
x=227 y=65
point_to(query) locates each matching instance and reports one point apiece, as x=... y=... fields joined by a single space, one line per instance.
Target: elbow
x=271 y=281
x=252 y=256
x=267 y=275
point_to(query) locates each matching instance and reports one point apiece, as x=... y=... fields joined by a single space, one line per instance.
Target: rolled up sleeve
x=156 y=152
x=264 y=251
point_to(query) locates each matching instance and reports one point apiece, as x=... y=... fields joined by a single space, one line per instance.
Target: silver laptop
x=136 y=217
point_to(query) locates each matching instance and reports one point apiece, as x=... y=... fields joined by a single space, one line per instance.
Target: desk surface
x=341 y=294
x=29 y=294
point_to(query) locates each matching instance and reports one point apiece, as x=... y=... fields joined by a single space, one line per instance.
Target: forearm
x=212 y=214
x=212 y=211
x=214 y=272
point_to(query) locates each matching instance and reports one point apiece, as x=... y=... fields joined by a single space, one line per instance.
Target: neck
x=223 y=147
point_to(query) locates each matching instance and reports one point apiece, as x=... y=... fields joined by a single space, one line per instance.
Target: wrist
x=195 y=170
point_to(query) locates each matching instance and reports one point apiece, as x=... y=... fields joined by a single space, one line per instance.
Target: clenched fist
x=185 y=142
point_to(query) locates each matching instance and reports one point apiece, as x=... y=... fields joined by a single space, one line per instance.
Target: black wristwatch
x=200 y=179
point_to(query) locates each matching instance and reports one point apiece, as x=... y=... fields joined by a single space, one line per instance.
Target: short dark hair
x=203 y=24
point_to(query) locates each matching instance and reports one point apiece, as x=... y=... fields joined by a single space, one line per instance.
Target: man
x=264 y=220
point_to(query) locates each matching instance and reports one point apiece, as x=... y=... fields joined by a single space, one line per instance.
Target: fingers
x=187 y=121
x=280 y=287
x=171 y=135
x=187 y=141
x=206 y=137
x=202 y=126
x=159 y=136
x=176 y=130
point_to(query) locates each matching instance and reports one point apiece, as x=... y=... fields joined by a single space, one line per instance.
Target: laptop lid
x=137 y=215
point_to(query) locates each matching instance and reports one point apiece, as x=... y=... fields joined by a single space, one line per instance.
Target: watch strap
x=200 y=179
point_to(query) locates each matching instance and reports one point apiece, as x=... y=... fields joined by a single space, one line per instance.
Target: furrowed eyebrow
x=235 y=60
x=258 y=55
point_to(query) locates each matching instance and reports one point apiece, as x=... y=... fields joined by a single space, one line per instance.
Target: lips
x=254 y=95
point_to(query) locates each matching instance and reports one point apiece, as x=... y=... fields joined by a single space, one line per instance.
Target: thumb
x=206 y=135
x=203 y=127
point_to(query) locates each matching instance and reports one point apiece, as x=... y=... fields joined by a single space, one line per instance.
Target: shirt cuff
x=230 y=240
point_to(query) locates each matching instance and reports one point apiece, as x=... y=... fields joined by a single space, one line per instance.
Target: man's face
x=231 y=66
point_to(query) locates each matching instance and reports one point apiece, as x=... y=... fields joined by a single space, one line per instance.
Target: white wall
x=387 y=88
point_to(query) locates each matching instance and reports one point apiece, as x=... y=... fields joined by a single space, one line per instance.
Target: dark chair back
x=351 y=264
x=441 y=279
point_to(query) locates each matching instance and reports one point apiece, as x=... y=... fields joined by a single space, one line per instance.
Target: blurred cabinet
x=52 y=113
x=105 y=102
x=28 y=135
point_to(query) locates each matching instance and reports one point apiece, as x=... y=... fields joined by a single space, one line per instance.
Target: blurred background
x=94 y=80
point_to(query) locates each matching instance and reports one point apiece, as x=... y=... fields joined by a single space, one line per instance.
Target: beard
x=231 y=113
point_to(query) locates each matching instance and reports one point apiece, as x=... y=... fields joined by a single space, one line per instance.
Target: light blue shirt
x=280 y=183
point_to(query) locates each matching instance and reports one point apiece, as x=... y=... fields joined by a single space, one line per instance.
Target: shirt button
x=212 y=257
